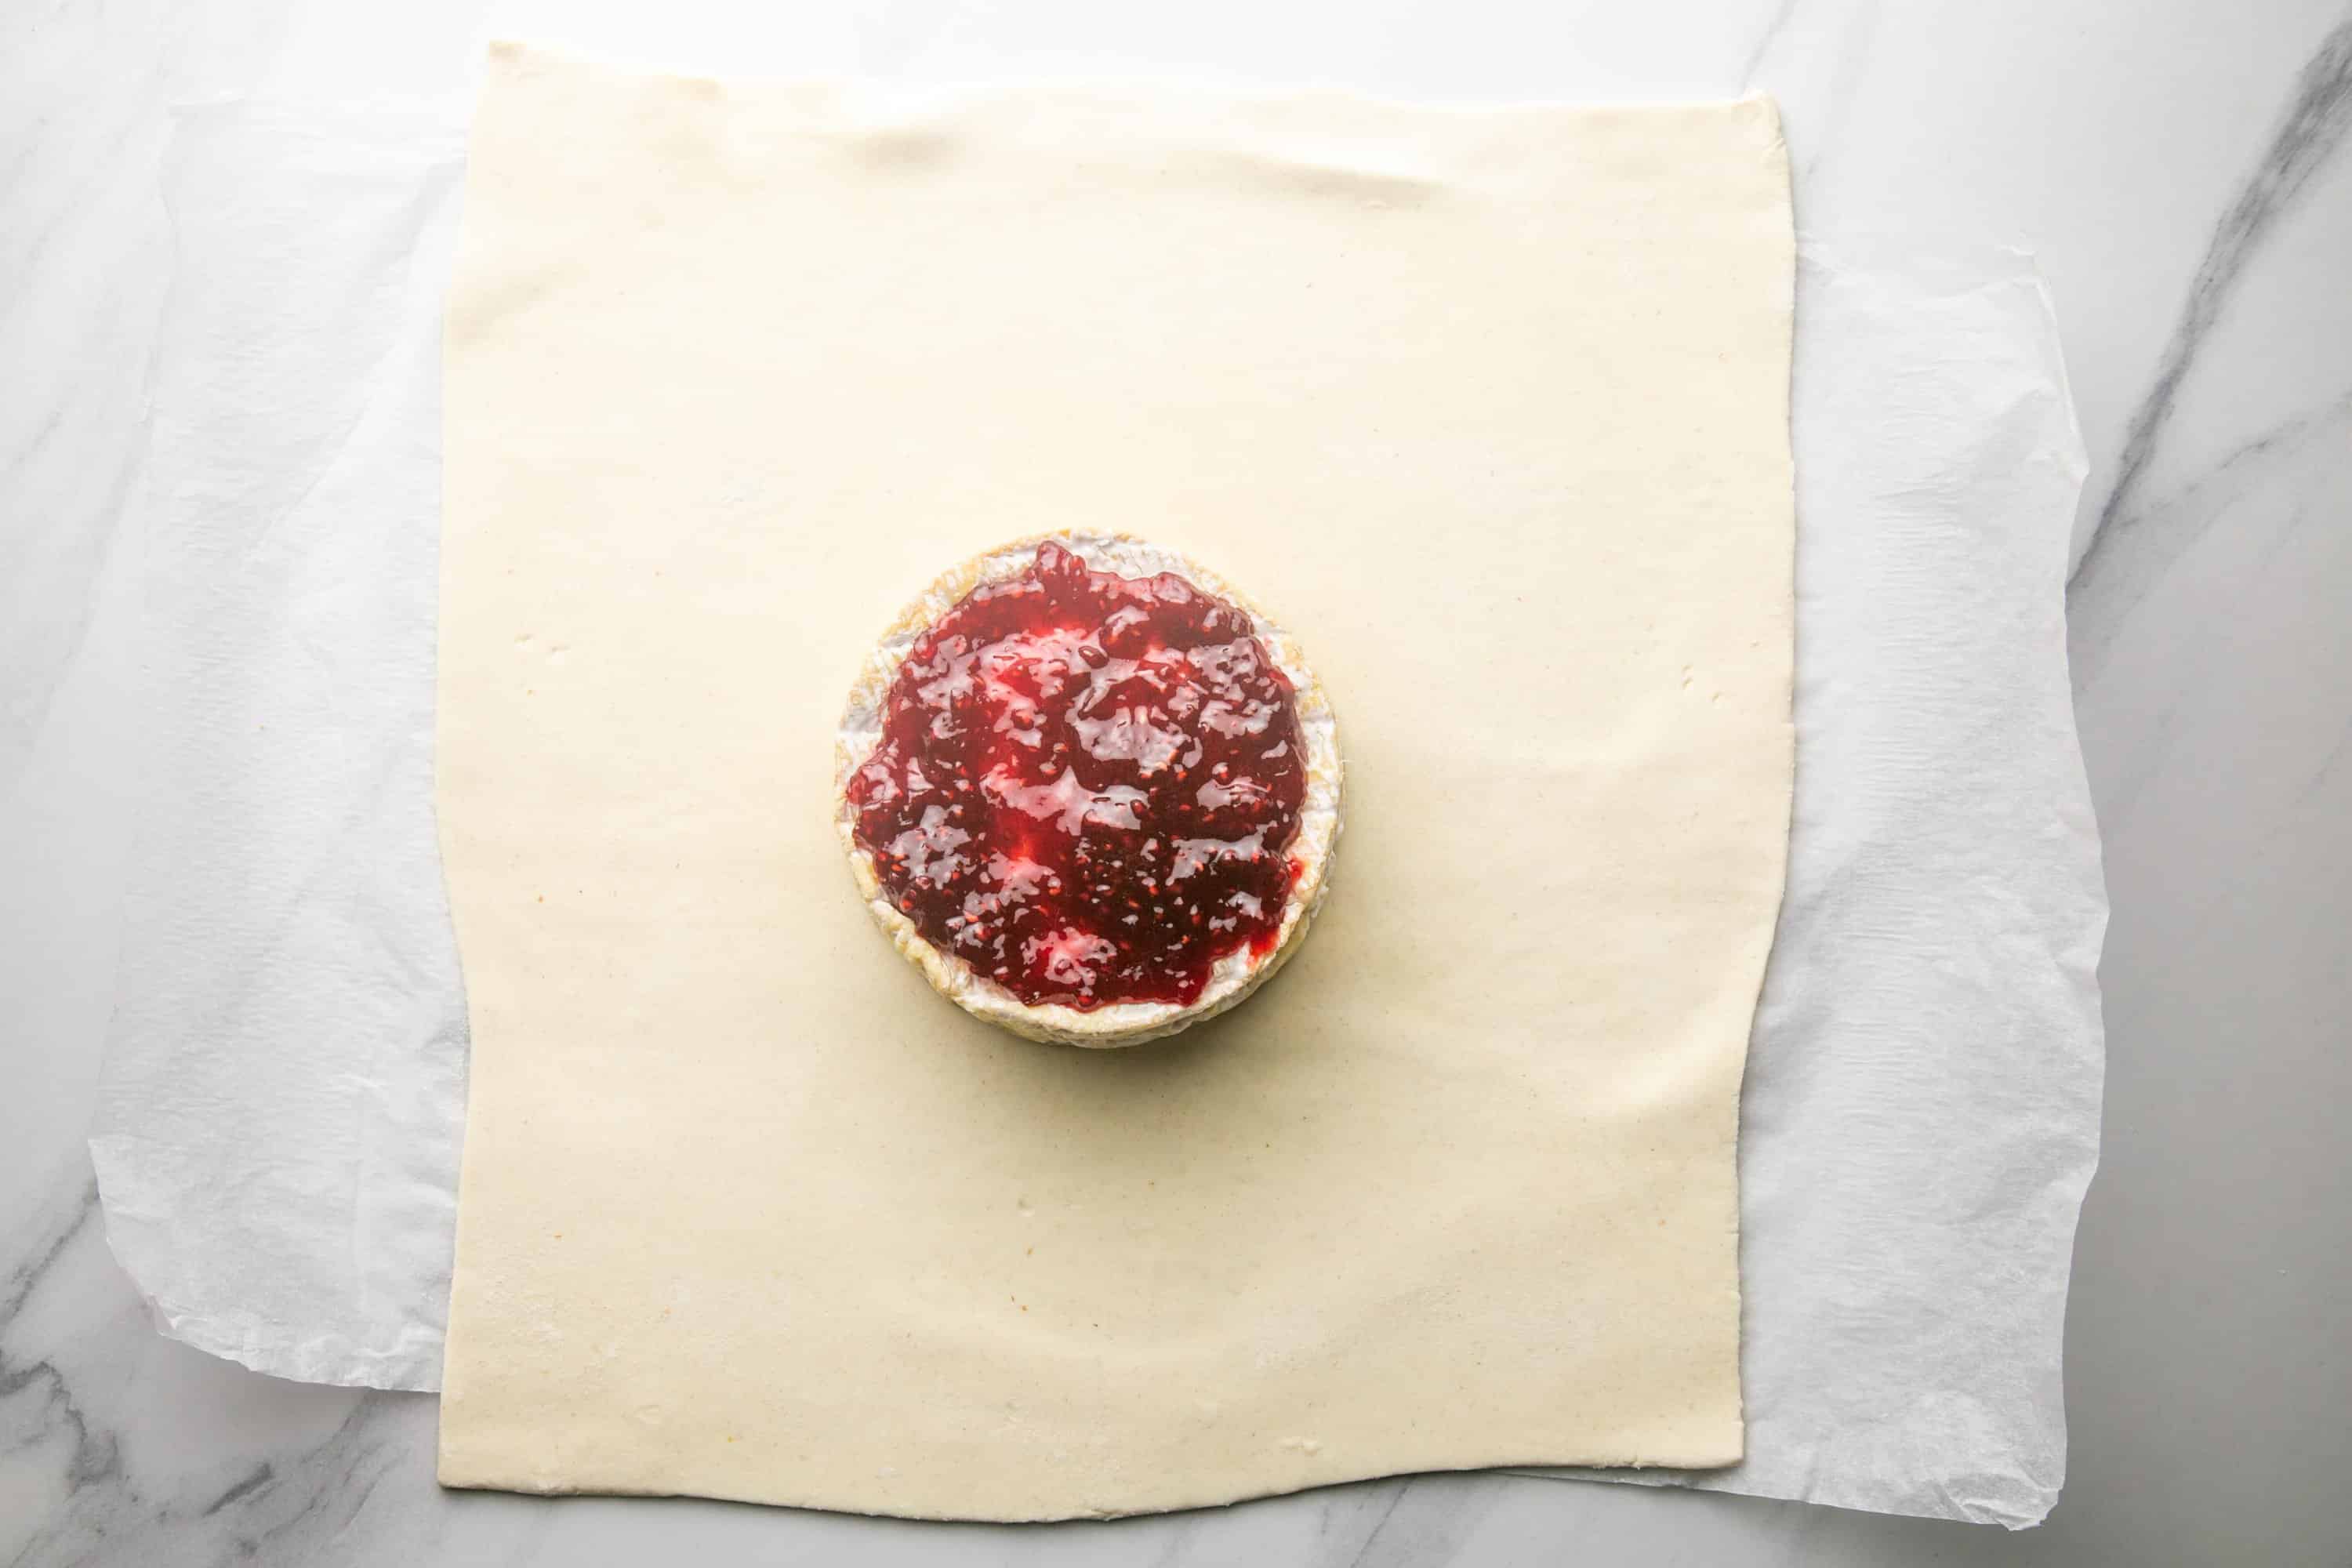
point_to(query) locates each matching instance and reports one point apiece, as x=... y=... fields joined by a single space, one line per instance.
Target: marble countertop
x=2182 y=172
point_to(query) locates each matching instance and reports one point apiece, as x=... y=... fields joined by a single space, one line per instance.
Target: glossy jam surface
x=1087 y=786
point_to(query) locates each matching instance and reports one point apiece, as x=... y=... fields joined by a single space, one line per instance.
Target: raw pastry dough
x=1492 y=403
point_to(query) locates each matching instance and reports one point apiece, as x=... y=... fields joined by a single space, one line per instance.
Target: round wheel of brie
x=1088 y=789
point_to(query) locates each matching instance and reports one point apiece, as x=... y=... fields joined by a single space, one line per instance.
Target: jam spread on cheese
x=1087 y=786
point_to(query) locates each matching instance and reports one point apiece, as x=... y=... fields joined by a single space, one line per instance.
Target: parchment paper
x=283 y=1089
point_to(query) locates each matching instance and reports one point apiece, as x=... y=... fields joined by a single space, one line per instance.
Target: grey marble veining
x=2311 y=129
x=2182 y=172
x=92 y=1458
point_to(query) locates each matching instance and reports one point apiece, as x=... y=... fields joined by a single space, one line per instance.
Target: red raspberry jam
x=1087 y=786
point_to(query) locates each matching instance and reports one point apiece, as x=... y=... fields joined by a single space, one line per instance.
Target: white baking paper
x=284 y=1088
x=285 y=1080
x=1921 y=1110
